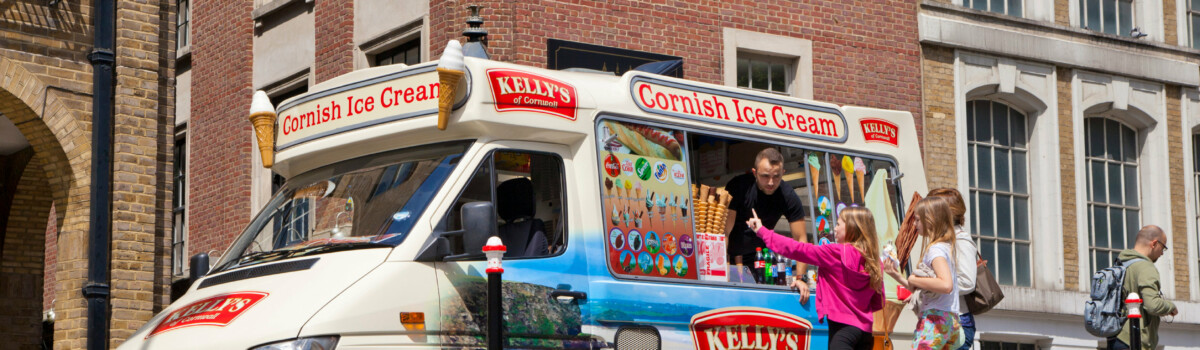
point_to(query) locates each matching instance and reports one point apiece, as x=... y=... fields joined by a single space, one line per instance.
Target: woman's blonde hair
x=937 y=223
x=860 y=233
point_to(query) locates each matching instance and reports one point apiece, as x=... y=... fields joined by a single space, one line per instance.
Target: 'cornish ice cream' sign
x=739 y=109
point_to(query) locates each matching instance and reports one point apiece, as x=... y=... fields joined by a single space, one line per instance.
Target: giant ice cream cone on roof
x=262 y=116
x=450 y=70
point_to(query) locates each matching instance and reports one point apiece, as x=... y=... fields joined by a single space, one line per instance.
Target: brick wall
x=45 y=89
x=220 y=159
x=140 y=167
x=1062 y=12
x=1179 y=176
x=335 y=38
x=864 y=52
x=21 y=268
x=1066 y=143
x=51 y=255
x=937 y=72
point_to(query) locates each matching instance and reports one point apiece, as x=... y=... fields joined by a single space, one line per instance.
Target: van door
x=545 y=284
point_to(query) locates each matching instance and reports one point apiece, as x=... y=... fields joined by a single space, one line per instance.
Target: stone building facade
x=1068 y=124
x=45 y=154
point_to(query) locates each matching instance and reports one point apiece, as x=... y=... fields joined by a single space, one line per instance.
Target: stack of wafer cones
x=712 y=208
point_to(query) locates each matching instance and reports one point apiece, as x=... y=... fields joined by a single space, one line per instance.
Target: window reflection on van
x=367 y=202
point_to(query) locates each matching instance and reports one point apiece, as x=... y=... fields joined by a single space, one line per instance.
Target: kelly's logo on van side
x=749 y=328
x=515 y=90
x=879 y=130
x=215 y=311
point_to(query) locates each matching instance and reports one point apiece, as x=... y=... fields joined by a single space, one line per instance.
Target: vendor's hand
x=1174 y=312
x=801 y=287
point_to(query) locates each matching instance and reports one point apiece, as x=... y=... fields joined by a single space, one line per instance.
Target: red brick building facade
x=859 y=52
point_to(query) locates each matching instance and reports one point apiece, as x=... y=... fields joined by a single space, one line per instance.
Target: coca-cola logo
x=750 y=328
x=612 y=165
x=516 y=90
x=881 y=131
x=214 y=311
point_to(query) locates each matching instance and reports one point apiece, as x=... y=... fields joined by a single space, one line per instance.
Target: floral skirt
x=936 y=330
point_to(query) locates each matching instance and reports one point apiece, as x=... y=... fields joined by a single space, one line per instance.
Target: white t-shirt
x=944 y=302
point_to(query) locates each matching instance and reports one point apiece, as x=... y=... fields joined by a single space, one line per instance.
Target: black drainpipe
x=99 y=236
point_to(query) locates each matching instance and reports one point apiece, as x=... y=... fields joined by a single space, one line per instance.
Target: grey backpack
x=1104 y=315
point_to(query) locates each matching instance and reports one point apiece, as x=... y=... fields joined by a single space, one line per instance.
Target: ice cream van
x=397 y=175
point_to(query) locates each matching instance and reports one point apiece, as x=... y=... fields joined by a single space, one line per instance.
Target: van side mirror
x=198 y=266
x=479 y=224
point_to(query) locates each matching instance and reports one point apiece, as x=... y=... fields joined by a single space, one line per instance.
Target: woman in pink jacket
x=849 y=276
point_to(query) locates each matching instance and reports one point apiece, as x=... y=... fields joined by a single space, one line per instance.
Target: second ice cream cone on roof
x=450 y=71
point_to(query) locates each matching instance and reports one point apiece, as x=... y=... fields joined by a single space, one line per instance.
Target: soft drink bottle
x=787 y=268
x=759 y=267
x=780 y=275
x=770 y=260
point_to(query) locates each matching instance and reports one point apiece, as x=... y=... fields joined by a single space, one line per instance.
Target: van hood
x=255 y=305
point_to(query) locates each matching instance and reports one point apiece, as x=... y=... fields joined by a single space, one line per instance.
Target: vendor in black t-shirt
x=764 y=191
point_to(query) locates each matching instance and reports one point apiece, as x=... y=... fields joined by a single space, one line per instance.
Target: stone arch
x=52 y=120
x=1020 y=99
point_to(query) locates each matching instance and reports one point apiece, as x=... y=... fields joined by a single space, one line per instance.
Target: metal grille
x=638 y=338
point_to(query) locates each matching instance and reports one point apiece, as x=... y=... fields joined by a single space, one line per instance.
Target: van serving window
x=666 y=208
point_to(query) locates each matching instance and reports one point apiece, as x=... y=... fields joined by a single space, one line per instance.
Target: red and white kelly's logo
x=515 y=90
x=750 y=328
x=215 y=311
x=879 y=130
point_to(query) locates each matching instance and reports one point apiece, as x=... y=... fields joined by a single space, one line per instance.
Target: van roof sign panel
x=405 y=94
x=794 y=118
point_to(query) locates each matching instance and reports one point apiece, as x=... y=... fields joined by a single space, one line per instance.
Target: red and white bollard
x=495 y=318
x=1133 y=308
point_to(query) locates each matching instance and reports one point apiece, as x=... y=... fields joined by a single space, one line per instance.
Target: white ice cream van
x=593 y=182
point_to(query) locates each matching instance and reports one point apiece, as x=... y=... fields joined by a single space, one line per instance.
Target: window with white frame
x=764 y=73
x=1108 y=16
x=997 y=142
x=1113 y=206
x=179 y=235
x=1193 y=18
x=183 y=28
x=1000 y=345
x=1008 y=7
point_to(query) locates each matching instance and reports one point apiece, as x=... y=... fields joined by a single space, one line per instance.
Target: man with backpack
x=1142 y=277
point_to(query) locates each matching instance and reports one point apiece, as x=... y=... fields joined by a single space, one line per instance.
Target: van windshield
x=367 y=202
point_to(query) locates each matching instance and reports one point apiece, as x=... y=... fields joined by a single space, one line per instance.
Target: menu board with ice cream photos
x=645 y=192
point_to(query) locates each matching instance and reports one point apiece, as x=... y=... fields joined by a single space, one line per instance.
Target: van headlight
x=310 y=343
